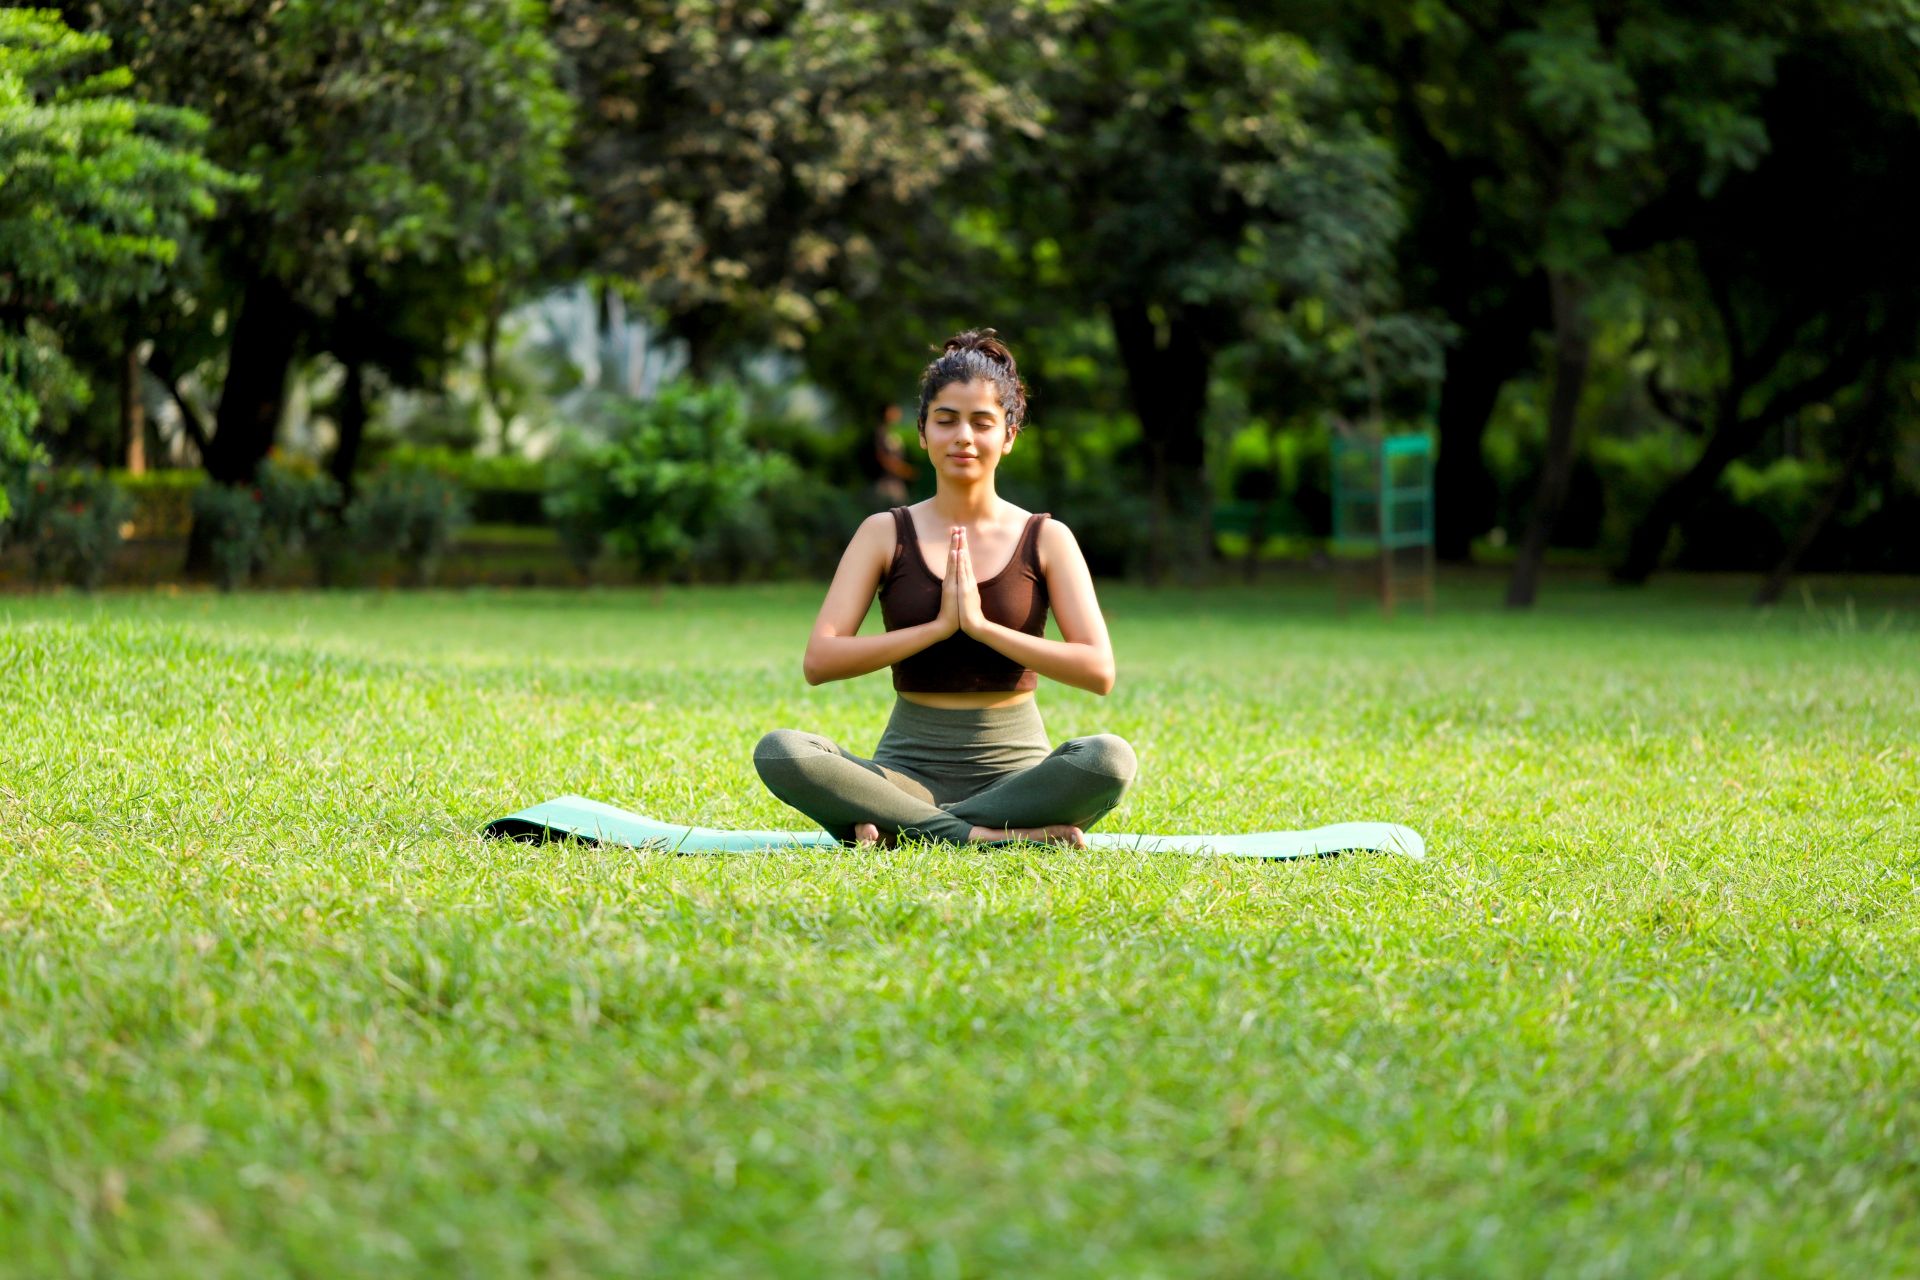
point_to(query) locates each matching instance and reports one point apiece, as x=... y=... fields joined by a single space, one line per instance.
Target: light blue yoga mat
x=598 y=823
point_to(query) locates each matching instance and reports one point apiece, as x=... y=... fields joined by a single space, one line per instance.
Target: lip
x=965 y=457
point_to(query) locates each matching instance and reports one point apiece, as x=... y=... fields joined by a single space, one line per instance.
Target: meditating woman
x=964 y=755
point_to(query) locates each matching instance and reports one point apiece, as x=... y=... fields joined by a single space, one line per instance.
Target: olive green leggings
x=939 y=772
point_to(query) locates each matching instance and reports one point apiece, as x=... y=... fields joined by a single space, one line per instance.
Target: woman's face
x=966 y=431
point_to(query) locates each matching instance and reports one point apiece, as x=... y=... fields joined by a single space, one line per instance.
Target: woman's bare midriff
x=969 y=701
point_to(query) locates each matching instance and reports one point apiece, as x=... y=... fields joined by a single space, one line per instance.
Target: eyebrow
x=947 y=408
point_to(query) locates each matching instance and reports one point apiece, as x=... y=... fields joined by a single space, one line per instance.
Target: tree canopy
x=96 y=191
x=1539 y=232
x=418 y=141
x=747 y=164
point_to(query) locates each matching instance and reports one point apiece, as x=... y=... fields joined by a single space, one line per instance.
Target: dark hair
x=977 y=354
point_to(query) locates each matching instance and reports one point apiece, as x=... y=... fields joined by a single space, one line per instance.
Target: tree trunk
x=1167 y=378
x=133 y=410
x=490 y=374
x=1866 y=422
x=1474 y=285
x=266 y=334
x=1490 y=352
x=1572 y=355
x=1256 y=539
x=1649 y=541
x=350 y=414
x=700 y=329
x=1736 y=434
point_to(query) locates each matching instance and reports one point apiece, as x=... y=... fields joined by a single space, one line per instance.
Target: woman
x=964 y=755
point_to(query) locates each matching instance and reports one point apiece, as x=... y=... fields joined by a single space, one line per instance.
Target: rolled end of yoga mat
x=590 y=821
x=595 y=823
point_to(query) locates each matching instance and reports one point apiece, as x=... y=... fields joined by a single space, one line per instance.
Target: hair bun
x=986 y=341
x=971 y=354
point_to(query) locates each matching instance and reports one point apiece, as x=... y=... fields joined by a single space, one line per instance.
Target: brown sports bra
x=1014 y=597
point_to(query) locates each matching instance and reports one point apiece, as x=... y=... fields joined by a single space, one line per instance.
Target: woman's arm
x=834 y=650
x=1083 y=657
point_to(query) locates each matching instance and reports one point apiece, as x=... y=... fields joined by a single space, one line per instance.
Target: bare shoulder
x=876 y=535
x=1055 y=532
x=1057 y=545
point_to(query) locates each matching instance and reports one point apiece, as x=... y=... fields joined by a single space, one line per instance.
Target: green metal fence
x=1383 y=505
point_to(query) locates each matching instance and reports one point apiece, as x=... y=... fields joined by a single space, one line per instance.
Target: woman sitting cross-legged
x=964 y=755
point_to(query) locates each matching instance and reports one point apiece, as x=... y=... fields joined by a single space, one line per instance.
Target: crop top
x=1014 y=597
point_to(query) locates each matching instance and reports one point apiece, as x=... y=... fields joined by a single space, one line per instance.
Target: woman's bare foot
x=1060 y=833
x=865 y=834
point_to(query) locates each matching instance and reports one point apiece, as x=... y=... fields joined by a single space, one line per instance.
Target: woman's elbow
x=810 y=668
x=1102 y=682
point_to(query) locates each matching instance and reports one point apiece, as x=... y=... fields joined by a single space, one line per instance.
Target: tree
x=1791 y=293
x=1530 y=137
x=1183 y=181
x=1864 y=426
x=747 y=164
x=95 y=191
x=414 y=139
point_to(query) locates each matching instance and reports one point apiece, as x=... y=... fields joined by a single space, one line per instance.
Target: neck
x=965 y=504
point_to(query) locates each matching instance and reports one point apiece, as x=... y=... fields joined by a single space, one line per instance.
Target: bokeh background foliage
x=1642 y=270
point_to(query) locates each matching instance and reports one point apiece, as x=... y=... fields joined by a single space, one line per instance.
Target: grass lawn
x=269 y=1008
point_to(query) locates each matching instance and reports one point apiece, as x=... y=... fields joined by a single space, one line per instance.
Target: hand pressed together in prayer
x=966 y=590
x=959 y=589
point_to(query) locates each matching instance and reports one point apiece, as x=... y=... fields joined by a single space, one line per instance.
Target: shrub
x=334 y=553
x=230 y=516
x=162 y=500
x=502 y=489
x=810 y=522
x=744 y=535
x=70 y=522
x=413 y=514
x=1633 y=470
x=501 y=471
x=677 y=482
x=19 y=501
x=1743 y=524
x=577 y=502
x=1746 y=521
x=1111 y=522
x=297 y=503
